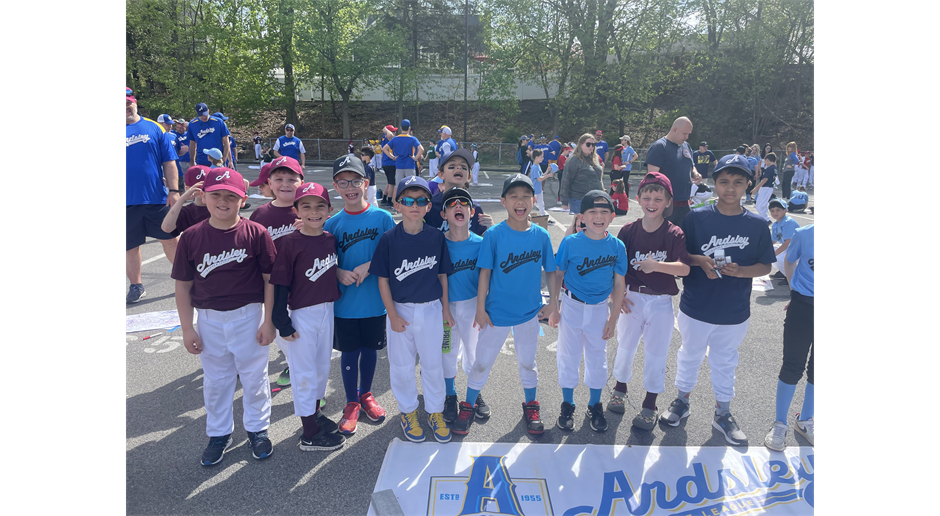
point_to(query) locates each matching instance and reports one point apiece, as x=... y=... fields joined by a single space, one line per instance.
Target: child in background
x=181 y=217
x=431 y=156
x=781 y=232
x=215 y=157
x=765 y=187
x=476 y=164
x=535 y=174
x=798 y=200
x=701 y=193
x=262 y=182
x=620 y=193
x=366 y=154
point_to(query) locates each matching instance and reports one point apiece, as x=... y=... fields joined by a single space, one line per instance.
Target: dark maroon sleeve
x=266 y=252
x=183 y=269
x=678 y=246
x=282 y=272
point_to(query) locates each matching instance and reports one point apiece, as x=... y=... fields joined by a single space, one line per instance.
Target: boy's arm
x=169 y=222
x=553 y=279
x=788 y=269
x=445 y=304
x=397 y=323
x=184 y=306
x=783 y=247
x=266 y=332
x=761 y=183
x=481 y=319
x=280 y=316
x=649 y=265
x=616 y=299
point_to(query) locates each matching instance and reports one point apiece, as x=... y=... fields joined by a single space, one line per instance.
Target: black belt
x=796 y=296
x=643 y=289
x=570 y=293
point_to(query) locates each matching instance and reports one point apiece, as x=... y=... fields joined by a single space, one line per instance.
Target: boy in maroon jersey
x=181 y=217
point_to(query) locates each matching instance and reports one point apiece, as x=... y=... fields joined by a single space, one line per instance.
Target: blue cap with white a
x=165 y=119
x=219 y=115
x=733 y=161
x=202 y=109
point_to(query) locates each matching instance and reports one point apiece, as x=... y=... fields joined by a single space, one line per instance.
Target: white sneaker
x=776 y=438
x=805 y=428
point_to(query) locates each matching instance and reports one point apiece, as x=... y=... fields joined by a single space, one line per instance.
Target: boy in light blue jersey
x=592 y=263
x=781 y=231
x=512 y=257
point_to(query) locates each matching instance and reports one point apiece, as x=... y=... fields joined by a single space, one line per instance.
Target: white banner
x=458 y=479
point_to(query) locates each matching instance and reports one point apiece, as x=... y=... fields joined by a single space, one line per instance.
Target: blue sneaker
x=216 y=449
x=261 y=447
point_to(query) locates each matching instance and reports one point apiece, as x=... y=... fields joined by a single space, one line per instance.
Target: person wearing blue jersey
x=446 y=144
x=798 y=342
x=542 y=146
x=671 y=156
x=781 y=231
x=512 y=257
x=182 y=146
x=601 y=147
x=167 y=123
x=207 y=132
x=152 y=187
x=403 y=148
x=233 y=146
x=799 y=199
x=290 y=145
x=592 y=264
x=454 y=171
x=728 y=246
x=554 y=150
x=359 y=315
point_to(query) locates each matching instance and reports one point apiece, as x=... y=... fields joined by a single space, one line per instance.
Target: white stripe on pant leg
x=692 y=351
x=467 y=336
x=307 y=368
x=723 y=346
x=428 y=335
x=629 y=329
x=569 y=350
x=594 y=344
x=218 y=377
x=489 y=343
x=657 y=335
x=401 y=360
x=526 y=342
x=251 y=361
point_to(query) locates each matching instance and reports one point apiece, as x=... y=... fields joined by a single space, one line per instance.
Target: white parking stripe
x=151 y=260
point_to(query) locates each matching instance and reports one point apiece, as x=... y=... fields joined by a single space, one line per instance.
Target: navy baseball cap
x=516 y=180
x=703 y=144
x=735 y=161
x=165 y=119
x=596 y=199
x=202 y=109
x=348 y=163
x=289 y=126
x=412 y=182
x=218 y=114
x=405 y=124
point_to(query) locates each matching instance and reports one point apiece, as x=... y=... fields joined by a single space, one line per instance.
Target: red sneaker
x=464 y=419
x=530 y=412
x=373 y=410
x=347 y=425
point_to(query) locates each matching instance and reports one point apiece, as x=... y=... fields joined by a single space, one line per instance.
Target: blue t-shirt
x=752 y=163
x=386 y=161
x=291 y=147
x=411 y=263
x=464 y=278
x=440 y=144
x=702 y=160
x=517 y=259
x=626 y=156
x=745 y=238
x=554 y=148
x=675 y=162
x=602 y=148
x=404 y=147
x=783 y=230
x=356 y=239
x=207 y=135
x=181 y=139
x=535 y=172
x=434 y=218
x=771 y=174
x=802 y=248
x=147 y=150
x=792 y=160
x=593 y=264
x=798 y=197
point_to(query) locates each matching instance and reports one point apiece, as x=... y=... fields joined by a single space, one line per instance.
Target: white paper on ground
x=762 y=283
x=257 y=196
x=556 y=208
x=153 y=321
x=254 y=167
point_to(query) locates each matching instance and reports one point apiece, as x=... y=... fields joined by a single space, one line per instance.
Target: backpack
x=519 y=156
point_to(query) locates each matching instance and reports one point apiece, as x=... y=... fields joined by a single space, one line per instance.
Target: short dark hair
x=367 y=150
x=536 y=153
x=771 y=157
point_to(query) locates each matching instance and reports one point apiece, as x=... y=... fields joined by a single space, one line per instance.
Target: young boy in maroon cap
x=222 y=269
x=262 y=182
x=181 y=217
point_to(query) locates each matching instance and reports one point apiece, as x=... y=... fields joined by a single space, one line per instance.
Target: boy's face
x=414 y=212
x=538 y=159
x=284 y=185
x=596 y=220
x=730 y=187
x=223 y=205
x=653 y=203
x=518 y=201
x=313 y=211
x=778 y=213
x=459 y=214
x=352 y=195
x=455 y=172
x=266 y=190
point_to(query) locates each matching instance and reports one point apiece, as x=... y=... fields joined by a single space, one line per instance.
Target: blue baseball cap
x=405 y=124
x=202 y=109
x=165 y=119
x=218 y=114
x=215 y=153
x=735 y=161
x=412 y=182
x=289 y=126
x=778 y=203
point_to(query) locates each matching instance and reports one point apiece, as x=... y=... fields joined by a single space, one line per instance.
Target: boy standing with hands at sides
x=181 y=217
x=728 y=246
x=656 y=250
x=359 y=315
x=509 y=297
x=304 y=279
x=222 y=268
x=592 y=264
x=412 y=263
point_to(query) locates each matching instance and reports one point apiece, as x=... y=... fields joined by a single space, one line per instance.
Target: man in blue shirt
x=554 y=150
x=207 y=132
x=404 y=148
x=601 y=147
x=291 y=146
x=445 y=139
x=671 y=156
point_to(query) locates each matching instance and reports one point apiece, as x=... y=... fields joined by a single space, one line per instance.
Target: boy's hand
x=397 y=323
x=553 y=318
x=361 y=272
x=610 y=327
x=574 y=227
x=481 y=319
x=649 y=264
x=346 y=277
x=298 y=224
x=730 y=269
x=449 y=319
x=485 y=220
x=192 y=191
x=291 y=338
x=708 y=265
x=625 y=306
x=265 y=334
x=191 y=341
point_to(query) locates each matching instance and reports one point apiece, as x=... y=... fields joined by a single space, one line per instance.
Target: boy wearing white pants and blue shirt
x=657 y=254
x=716 y=298
x=592 y=263
x=221 y=269
x=781 y=231
x=412 y=263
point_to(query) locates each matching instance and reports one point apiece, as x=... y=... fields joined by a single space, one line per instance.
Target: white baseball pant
x=463 y=338
x=432 y=167
x=491 y=340
x=812 y=174
x=721 y=341
x=800 y=176
x=309 y=356
x=763 y=200
x=258 y=151
x=580 y=332
x=229 y=350
x=423 y=336
x=780 y=258
x=540 y=202
x=651 y=317
x=475 y=172
x=370 y=195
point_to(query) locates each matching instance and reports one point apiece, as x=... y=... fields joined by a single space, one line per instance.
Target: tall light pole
x=466 y=62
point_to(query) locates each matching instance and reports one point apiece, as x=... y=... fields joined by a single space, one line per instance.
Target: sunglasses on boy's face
x=410 y=201
x=454 y=202
x=355 y=183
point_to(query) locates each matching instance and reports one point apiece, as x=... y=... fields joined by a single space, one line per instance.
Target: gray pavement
x=166 y=418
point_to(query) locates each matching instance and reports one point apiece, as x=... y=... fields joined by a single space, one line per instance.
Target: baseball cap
x=202 y=109
x=218 y=114
x=515 y=180
x=703 y=144
x=473 y=146
x=130 y=95
x=315 y=189
x=446 y=130
x=735 y=161
x=225 y=179
x=741 y=149
x=456 y=193
x=523 y=137
x=777 y=203
x=554 y=167
x=165 y=119
x=542 y=137
x=556 y=137
x=405 y=124
x=412 y=182
x=461 y=153
x=598 y=132
x=182 y=121
x=625 y=137
x=391 y=127
x=195 y=174
x=348 y=163
x=288 y=163
x=215 y=153
x=657 y=178
x=263 y=177
x=289 y=126
x=596 y=199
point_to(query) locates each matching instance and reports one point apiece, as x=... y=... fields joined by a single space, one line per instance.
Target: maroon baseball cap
x=263 y=177
x=656 y=178
x=288 y=163
x=222 y=178
x=308 y=189
x=195 y=174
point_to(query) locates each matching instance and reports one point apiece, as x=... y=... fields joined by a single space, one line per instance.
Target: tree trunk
x=345 y=94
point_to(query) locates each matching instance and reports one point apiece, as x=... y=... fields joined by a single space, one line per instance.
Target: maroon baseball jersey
x=190 y=215
x=307 y=264
x=278 y=221
x=666 y=244
x=225 y=266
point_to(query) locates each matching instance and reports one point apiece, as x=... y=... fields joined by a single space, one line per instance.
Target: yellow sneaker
x=411 y=427
x=439 y=427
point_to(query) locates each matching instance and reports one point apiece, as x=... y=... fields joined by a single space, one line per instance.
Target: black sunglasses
x=589 y=144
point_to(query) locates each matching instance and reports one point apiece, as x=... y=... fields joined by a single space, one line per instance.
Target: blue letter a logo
x=490 y=487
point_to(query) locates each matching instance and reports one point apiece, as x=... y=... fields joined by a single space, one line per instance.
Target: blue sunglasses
x=410 y=201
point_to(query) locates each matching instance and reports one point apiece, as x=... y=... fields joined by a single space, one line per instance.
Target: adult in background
x=601 y=147
x=751 y=153
x=522 y=153
x=167 y=123
x=291 y=146
x=388 y=165
x=404 y=147
x=542 y=145
x=703 y=158
x=151 y=165
x=207 y=132
x=627 y=156
x=554 y=151
x=182 y=150
x=671 y=156
x=583 y=173
x=446 y=144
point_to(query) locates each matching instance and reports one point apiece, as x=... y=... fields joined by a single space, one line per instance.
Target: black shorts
x=144 y=220
x=352 y=334
x=389 y=174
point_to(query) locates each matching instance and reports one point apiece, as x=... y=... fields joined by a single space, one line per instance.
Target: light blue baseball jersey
x=463 y=281
x=357 y=236
x=798 y=197
x=535 y=172
x=802 y=248
x=590 y=265
x=291 y=147
x=783 y=230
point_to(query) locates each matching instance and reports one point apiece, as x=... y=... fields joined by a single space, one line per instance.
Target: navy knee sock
x=367 y=360
x=349 y=364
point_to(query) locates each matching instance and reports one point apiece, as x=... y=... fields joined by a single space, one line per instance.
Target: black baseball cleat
x=482 y=409
x=216 y=450
x=530 y=412
x=461 y=425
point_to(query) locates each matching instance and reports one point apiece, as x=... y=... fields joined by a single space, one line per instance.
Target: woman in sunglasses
x=583 y=173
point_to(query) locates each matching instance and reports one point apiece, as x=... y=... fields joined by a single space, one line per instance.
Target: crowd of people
x=446 y=285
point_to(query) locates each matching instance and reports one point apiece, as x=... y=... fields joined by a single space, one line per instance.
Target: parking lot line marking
x=151 y=260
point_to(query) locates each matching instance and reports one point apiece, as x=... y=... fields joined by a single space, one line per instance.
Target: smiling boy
x=454 y=170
